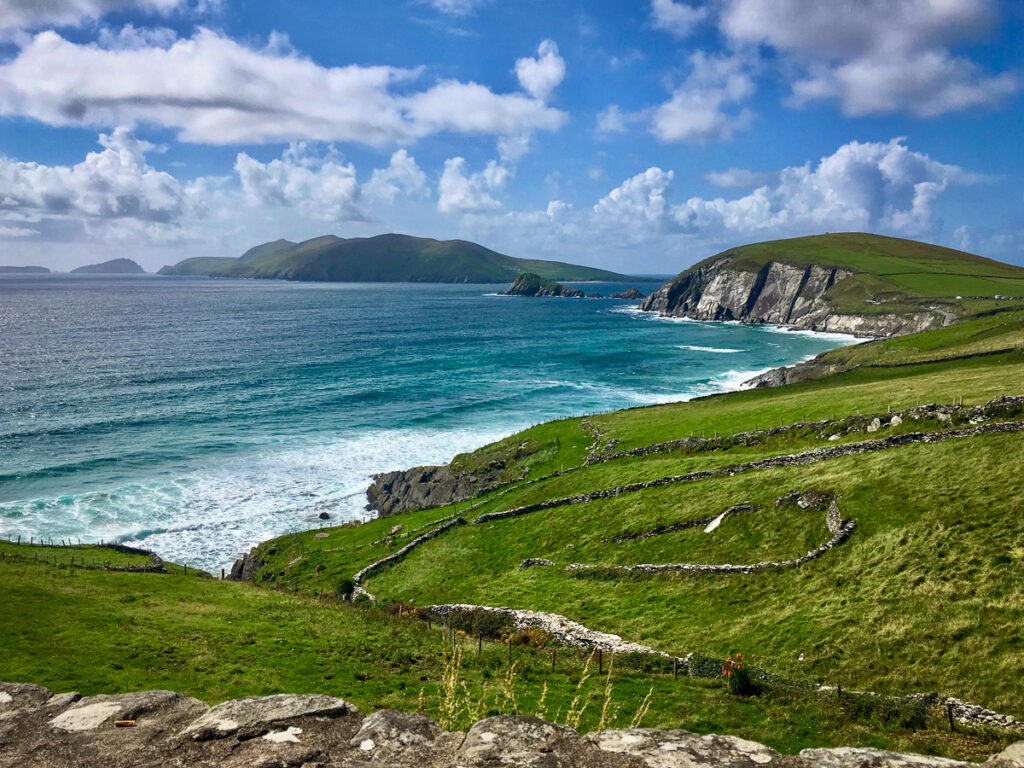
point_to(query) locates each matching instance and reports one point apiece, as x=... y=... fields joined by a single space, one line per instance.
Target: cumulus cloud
x=322 y=188
x=541 y=75
x=402 y=175
x=862 y=186
x=699 y=108
x=641 y=200
x=217 y=91
x=462 y=192
x=114 y=183
x=877 y=56
x=29 y=14
x=677 y=18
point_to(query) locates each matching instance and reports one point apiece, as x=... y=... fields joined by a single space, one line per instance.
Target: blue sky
x=639 y=136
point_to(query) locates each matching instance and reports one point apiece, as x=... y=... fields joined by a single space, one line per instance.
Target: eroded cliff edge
x=800 y=296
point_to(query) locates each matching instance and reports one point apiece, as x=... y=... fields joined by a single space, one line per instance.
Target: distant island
x=112 y=267
x=391 y=258
x=24 y=270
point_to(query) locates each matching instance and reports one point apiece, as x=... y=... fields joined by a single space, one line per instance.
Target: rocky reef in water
x=150 y=728
x=529 y=284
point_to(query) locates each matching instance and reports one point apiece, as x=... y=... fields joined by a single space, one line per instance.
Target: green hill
x=848 y=282
x=112 y=267
x=384 y=258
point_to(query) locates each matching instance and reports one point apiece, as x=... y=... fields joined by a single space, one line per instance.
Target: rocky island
x=529 y=284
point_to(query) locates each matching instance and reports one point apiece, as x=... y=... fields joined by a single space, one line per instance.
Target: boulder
x=680 y=749
x=854 y=757
x=259 y=715
x=515 y=740
x=389 y=734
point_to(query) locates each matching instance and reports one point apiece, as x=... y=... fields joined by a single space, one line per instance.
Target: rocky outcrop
x=632 y=293
x=529 y=284
x=151 y=728
x=424 y=487
x=778 y=293
x=247 y=566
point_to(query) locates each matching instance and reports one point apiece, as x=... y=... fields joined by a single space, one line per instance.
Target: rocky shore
x=162 y=728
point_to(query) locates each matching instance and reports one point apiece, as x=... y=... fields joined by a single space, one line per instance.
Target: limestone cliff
x=779 y=293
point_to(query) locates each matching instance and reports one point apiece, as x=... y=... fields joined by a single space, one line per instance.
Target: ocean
x=198 y=417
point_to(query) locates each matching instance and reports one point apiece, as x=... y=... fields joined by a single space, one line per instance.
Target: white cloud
x=460 y=192
x=611 y=120
x=862 y=186
x=29 y=14
x=9 y=231
x=697 y=110
x=322 y=188
x=877 y=56
x=677 y=18
x=456 y=7
x=640 y=201
x=741 y=178
x=512 y=149
x=401 y=175
x=540 y=76
x=114 y=183
x=216 y=91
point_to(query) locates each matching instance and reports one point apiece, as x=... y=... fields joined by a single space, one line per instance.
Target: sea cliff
x=780 y=294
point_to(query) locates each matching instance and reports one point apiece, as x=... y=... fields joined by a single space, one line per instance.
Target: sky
x=637 y=136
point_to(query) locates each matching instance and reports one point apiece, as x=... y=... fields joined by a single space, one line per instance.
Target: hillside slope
x=384 y=258
x=928 y=579
x=858 y=283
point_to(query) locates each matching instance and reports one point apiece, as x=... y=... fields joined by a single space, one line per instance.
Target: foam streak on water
x=199 y=417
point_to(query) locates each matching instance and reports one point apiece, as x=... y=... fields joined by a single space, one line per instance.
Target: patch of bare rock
x=164 y=728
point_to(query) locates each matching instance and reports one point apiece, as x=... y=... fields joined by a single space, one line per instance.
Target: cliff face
x=778 y=293
x=423 y=487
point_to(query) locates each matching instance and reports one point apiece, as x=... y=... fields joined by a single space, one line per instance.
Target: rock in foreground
x=38 y=729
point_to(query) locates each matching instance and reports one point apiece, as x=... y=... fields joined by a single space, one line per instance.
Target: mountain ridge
x=383 y=258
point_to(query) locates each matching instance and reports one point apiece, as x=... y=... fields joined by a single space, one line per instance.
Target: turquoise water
x=197 y=417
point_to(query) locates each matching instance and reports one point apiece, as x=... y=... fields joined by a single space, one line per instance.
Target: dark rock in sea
x=324 y=515
x=529 y=284
x=594 y=296
x=632 y=293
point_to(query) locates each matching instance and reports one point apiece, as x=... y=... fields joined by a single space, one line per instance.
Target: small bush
x=346 y=587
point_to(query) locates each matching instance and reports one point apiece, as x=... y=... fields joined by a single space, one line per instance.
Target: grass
x=106 y=632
